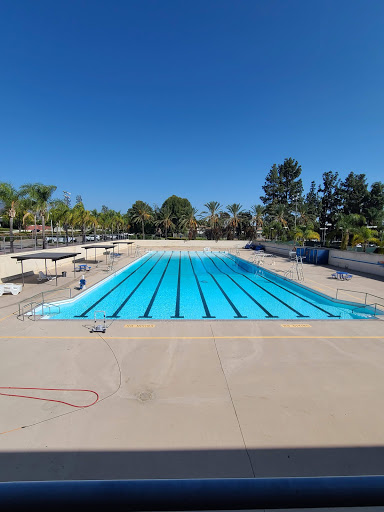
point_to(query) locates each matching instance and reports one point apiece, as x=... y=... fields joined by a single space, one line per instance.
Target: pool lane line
x=177 y=308
x=268 y=314
x=83 y=315
x=330 y=315
x=207 y=312
x=299 y=315
x=149 y=307
x=134 y=290
x=238 y=314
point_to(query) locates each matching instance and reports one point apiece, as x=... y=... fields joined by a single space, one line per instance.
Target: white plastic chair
x=15 y=289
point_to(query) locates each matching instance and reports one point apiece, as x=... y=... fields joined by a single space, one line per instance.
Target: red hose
x=49 y=399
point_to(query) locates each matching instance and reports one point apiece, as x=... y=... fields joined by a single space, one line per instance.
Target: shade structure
x=98 y=246
x=126 y=243
x=53 y=256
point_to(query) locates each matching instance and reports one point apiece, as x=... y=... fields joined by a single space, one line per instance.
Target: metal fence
x=22 y=243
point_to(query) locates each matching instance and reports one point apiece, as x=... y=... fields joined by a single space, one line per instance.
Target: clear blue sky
x=125 y=100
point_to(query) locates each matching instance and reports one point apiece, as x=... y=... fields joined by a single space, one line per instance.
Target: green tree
x=10 y=199
x=165 y=220
x=283 y=186
x=354 y=194
x=375 y=204
x=236 y=217
x=178 y=206
x=363 y=235
x=330 y=200
x=189 y=222
x=348 y=224
x=312 y=202
x=212 y=217
x=141 y=213
x=81 y=218
x=41 y=195
x=272 y=189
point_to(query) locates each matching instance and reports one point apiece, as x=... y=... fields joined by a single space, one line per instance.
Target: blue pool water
x=202 y=285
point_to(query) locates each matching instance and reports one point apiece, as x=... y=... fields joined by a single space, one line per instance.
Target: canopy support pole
x=22 y=271
x=56 y=271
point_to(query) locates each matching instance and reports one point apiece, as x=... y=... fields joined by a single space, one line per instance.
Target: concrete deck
x=193 y=399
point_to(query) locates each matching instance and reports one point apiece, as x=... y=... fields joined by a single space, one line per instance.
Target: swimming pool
x=202 y=285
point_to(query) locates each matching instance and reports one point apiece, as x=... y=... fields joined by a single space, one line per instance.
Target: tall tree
x=177 y=206
x=212 y=216
x=41 y=194
x=236 y=217
x=165 y=220
x=141 y=213
x=312 y=202
x=291 y=184
x=330 y=200
x=354 y=194
x=272 y=189
x=283 y=186
x=374 y=207
x=9 y=198
x=189 y=222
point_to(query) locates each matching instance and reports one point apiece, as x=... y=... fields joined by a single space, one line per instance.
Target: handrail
x=358 y=291
x=369 y=306
x=39 y=299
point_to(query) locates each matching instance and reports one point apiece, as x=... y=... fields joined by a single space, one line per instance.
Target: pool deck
x=193 y=399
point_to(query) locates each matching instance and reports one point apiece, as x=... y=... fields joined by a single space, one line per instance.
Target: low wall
x=350 y=260
x=10 y=267
x=277 y=248
x=358 y=261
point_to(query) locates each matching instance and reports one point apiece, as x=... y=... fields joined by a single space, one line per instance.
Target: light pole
x=67 y=198
x=324 y=229
x=296 y=208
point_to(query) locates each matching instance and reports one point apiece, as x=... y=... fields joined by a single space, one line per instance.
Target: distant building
x=38 y=228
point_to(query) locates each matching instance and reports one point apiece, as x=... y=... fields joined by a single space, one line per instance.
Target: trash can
x=64 y=274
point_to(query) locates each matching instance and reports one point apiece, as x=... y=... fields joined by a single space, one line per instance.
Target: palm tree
x=235 y=219
x=363 y=235
x=348 y=224
x=9 y=198
x=41 y=195
x=258 y=212
x=118 y=222
x=165 y=220
x=306 y=233
x=81 y=218
x=279 y=215
x=189 y=222
x=212 y=216
x=95 y=221
x=141 y=215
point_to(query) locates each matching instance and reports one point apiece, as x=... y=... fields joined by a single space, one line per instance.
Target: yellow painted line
x=190 y=337
x=296 y=325
x=138 y=326
x=1 y=319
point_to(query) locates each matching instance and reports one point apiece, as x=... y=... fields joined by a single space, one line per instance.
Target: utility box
x=64 y=274
x=314 y=256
